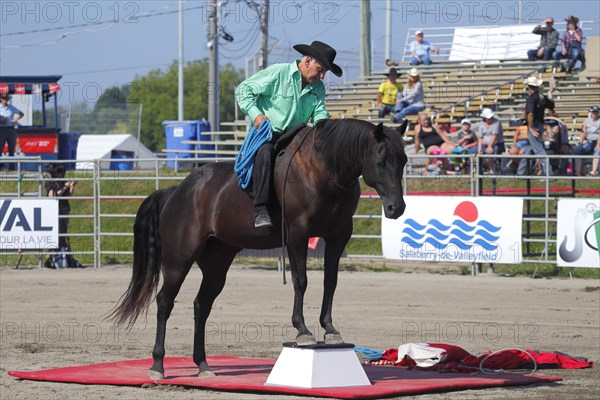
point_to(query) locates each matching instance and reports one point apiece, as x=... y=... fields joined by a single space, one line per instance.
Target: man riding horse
x=287 y=95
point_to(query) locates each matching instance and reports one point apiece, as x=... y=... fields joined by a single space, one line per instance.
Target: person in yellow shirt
x=386 y=96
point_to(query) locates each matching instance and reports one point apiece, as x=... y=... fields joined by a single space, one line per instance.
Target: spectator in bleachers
x=388 y=90
x=588 y=141
x=467 y=139
x=434 y=141
x=412 y=99
x=548 y=41
x=557 y=137
x=535 y=106
x=572 y=47
x=595 y=161
x=490 y=136
x=520 y=146
x=419 y=50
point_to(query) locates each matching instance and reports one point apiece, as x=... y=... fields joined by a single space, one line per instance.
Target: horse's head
x=383 y=167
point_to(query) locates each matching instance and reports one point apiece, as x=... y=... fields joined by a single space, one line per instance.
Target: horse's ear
x=402 y=128
x=379 y=135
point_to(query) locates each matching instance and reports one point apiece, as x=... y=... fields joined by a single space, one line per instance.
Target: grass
x=123 y=189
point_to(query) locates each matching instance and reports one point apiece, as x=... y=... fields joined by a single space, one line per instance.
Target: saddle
x=287 y=138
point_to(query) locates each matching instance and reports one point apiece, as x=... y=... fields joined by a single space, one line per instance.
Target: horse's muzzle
x=394 y=210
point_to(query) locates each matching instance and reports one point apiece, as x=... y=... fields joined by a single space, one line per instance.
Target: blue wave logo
x=461 y=234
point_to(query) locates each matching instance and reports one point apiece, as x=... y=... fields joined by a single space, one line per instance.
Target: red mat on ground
x=250 y=374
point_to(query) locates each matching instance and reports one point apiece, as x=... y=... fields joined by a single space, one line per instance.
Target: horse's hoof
x=305 y=340
x=155 y=375
x=206 y=374
x=333 y=338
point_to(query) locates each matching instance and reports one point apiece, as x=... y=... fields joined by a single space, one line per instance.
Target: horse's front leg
x=297 y=249
x=334 y=248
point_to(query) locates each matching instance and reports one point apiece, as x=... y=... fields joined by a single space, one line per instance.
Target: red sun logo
x=467 y=211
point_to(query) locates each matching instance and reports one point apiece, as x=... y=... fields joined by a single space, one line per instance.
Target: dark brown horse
x=208 y=219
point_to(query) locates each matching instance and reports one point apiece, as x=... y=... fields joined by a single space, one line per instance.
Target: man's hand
x=534 y=132
x=564 y=52
x=489 y=150
x=259 y=120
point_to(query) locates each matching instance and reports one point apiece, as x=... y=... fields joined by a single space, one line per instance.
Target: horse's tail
x=147 y=260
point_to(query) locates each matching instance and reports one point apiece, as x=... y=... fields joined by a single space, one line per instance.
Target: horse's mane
x=342 y=143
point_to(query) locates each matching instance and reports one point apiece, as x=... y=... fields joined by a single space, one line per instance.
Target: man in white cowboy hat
x=412 y=99
x=386 y=95
x=534 y=114
x=419 y=50
x=288 y=95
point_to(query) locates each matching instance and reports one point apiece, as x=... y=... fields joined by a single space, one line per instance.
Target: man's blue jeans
x=424 y=58
x=537 y=145
x=402 y=111
x=548 y=53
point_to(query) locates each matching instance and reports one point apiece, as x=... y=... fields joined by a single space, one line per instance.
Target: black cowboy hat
x=394 y=70
x=321 y=52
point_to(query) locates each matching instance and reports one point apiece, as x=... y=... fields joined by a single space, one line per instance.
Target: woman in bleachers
x=434 y=141
x=412 y=99
x=572 y=47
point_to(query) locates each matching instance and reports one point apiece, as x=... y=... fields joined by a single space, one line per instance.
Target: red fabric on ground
x=457 y=359
x=250 y=374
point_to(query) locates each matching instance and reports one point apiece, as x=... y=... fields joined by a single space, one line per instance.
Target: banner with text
x=578 y=233
x=455 y=229
x=28 y=224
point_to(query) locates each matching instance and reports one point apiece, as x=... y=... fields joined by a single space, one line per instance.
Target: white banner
x=578 y=233
x=493 y=43
x=28 y=224
x=456 y=229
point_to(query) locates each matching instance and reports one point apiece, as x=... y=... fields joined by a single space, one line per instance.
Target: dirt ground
x=55 y=318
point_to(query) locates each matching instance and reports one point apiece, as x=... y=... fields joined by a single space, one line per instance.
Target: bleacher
x=453 y=90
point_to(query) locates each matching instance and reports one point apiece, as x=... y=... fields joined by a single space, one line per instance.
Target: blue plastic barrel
x=177 y=132
x=67 y=147
x=121 y=165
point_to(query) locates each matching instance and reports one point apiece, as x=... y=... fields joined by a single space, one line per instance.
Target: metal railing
x=108 y=200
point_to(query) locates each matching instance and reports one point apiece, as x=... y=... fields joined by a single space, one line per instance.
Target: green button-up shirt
x=277 y=93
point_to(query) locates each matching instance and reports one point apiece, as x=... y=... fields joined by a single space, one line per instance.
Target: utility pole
x=264 y=34
x=388 y=29
x=365 y=38
x=213 y=67
x=180 y=70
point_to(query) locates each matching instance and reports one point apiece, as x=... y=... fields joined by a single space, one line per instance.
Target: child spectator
x=467 y=139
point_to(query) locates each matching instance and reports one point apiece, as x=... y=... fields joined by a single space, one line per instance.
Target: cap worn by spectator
x=487 y=113
x=466 y=121
x=594 y=109
x=417 y=33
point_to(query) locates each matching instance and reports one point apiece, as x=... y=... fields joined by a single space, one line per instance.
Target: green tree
x=157 y=92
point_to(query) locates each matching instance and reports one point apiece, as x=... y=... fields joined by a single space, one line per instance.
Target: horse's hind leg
x=214 y=263
x=173 y=274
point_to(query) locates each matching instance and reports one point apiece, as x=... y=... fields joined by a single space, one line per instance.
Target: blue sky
x=99 y=44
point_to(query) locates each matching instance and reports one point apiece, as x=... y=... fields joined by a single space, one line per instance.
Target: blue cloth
x=244 y=161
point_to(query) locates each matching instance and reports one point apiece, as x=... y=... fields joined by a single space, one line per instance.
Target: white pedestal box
x=318 y=366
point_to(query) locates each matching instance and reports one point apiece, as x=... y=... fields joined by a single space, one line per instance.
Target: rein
x=287 y=169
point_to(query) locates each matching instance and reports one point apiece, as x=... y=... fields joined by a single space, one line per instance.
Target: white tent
x=105 y=147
